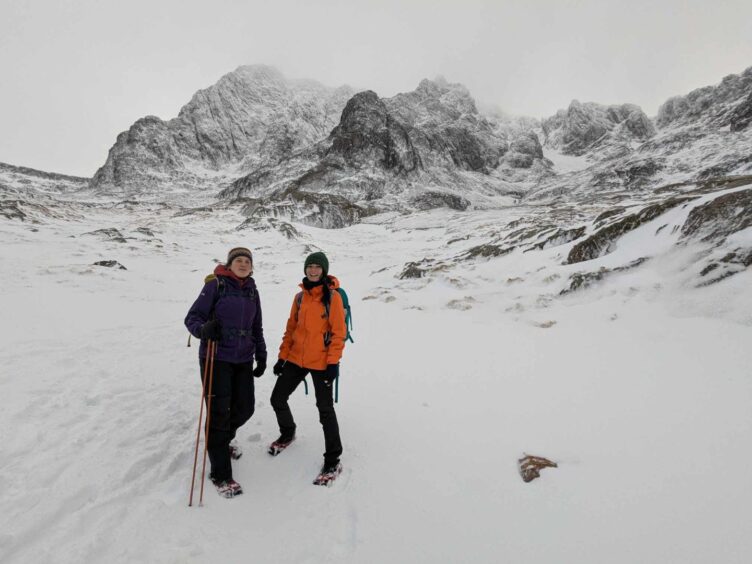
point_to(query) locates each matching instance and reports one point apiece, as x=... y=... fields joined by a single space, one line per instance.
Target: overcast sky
x=75 y=73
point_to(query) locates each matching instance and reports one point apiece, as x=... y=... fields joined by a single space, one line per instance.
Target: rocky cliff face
x=583 y=127
x=699 y=137
x=728 y=104
x=297 y=150
x=423 y=149
x=250 y=116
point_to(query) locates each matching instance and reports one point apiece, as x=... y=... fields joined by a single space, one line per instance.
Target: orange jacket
x=303 y=342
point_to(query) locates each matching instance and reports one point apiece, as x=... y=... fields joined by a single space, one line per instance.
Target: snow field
x=638 y=387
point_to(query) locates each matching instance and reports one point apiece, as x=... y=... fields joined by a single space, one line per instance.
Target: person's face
x=314 y=272
x=241 y=266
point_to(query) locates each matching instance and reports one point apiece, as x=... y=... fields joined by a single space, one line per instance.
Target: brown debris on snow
x=530 y=466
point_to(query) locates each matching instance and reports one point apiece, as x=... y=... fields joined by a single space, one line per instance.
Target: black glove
x=260 y=368
x=278 y=367
x=211 y=330
x=330 y=375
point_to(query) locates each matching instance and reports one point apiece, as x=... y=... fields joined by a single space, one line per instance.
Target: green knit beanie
x=317 y=258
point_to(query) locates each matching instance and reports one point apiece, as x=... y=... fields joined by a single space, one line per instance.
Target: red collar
x=222 y=270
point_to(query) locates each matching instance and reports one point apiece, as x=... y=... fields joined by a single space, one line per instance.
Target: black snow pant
x=233 y=403
x=292 y=376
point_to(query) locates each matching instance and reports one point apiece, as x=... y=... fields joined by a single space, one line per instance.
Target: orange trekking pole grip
x=200 y=420
x=213 y=348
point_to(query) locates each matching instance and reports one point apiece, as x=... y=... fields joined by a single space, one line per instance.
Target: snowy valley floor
x=639 y=387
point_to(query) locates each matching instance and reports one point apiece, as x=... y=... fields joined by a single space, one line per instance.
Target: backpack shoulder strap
x=348 y=314
x=220 y=290
x=298 y=301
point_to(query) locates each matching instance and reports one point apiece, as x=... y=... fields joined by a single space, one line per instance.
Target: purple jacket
x=238 y=310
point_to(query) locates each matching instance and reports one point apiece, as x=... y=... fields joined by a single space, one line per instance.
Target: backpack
x=221 y=291
x=345 y=304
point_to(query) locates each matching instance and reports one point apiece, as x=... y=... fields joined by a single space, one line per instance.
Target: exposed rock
x=730 y=264
x=724 y=104
x=741 y=117
x=250 y=116
x=109 y=234
x=412 y=270
x=382 y=148
x=530 y=466
x=524 y=149
x=518 y=236
x=11 y=209
x=581 y=280
x=575 y=130
x=560 y=237
x=329 y=211
x=488 y=250
x=430 y=200
x=17 y=176
x=269 y=223
x=35 y=206
x=421 y=268
x=720 y=217
x=601 y=242
x=724 y=165
x=145 y=231
x=638 y=174
x=110 y=264
x=368 y=134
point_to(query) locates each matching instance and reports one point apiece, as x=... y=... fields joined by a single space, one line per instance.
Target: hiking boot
x=280 y=444
x=328 y=474
x=228 y=488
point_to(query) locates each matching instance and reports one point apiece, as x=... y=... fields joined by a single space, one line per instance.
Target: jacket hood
x=222 y=270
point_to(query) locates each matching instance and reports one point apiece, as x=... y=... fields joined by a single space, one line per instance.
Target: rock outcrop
x=582 y=127
x=727 y=104
x=251 y=116
x=296 y=150
x=419 y=150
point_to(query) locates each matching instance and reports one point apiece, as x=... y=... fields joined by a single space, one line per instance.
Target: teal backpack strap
x=336 y=389
x=348 y=314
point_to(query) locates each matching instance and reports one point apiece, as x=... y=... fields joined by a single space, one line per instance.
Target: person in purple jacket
x=228 y=311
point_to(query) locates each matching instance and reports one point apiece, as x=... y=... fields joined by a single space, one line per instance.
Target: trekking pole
x=200 y=420
x=213 y=347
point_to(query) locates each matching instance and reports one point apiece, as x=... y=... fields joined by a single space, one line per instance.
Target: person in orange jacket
x=313 y=343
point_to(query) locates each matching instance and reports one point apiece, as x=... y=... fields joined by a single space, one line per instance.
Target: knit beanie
x=238 y=252
x=317 y=258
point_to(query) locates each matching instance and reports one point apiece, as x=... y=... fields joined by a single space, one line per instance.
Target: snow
x=638 y=388
x=565 y=163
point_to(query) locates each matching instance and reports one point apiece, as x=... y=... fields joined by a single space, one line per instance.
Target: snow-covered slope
x=474 y=344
